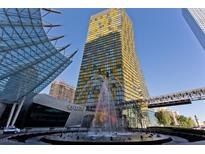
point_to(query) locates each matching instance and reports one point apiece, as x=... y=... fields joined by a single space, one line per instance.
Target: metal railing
x=177 y=98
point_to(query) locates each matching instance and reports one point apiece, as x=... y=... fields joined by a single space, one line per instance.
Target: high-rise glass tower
x=195 y=17
x=110 y=52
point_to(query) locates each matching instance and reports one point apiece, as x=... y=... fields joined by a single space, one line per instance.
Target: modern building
x=195 y=17
x=110 y=53
x=62 y=91
x=29 y=61
x=44 y=111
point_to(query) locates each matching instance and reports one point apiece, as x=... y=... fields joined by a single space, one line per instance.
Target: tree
x=182 y=121
x=164 y=118
x=186 y=122
x=191 y=123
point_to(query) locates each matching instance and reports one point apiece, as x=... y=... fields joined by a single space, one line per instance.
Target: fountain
x=105 y=117
x=105 y=125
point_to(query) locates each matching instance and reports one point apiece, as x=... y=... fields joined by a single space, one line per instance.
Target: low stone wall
x=191 y=135
x=58 y=142
x=24 y=136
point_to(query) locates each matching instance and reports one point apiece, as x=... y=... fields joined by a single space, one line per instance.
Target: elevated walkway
x=172 y=99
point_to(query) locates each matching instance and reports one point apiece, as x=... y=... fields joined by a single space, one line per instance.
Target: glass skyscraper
x=195 y=17
x=110 y=52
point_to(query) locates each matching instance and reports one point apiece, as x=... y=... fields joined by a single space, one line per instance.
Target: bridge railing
x=194 y=94
x=177 y=98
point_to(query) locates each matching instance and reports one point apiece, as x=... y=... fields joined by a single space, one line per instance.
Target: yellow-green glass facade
x=110 y=51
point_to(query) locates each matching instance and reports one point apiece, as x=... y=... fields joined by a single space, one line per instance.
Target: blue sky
x=170 y=55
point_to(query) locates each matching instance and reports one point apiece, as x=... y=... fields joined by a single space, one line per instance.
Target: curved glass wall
x=28 y=59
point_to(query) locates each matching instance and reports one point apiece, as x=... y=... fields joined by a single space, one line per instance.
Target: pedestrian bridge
x=172 y=99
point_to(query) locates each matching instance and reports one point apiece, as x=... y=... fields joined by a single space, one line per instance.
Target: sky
x=170 y=55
